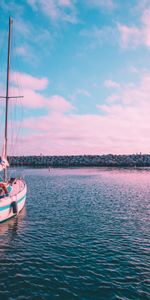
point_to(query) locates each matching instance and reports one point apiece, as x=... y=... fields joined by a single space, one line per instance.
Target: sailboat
x=12 y=190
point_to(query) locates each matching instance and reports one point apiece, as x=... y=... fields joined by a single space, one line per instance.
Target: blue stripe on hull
x=9 y=205
x=14 y=215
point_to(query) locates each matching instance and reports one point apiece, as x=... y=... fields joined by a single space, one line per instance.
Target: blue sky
x=82 y=65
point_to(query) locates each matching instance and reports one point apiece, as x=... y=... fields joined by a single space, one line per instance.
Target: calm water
x=85 y=234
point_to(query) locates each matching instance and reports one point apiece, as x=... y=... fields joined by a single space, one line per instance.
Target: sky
x=83 y=67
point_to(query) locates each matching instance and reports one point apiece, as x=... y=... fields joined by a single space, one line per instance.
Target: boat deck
x=17 y=186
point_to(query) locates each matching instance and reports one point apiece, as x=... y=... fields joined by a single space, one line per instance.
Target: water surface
x=83 y=235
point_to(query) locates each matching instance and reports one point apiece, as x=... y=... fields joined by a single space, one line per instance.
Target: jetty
x=109 y=160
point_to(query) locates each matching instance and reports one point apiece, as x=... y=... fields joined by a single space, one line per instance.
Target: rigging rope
x=16 y=105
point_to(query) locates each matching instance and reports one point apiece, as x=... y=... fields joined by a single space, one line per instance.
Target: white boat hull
x=11 y=205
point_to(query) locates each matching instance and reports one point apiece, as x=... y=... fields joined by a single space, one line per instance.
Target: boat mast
x=7 y=92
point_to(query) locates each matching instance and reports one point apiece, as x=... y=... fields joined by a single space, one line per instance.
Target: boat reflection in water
x=14 y=226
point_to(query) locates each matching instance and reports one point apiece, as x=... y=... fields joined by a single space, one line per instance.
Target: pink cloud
x=83 y=92
x=112 y=98
x=129 y=35
x=23 y=28
x=29 y=81
x=97 y=35
x=133 y=69
x=135 y=36
x=57 y=10
x=22 y=50
x=146 y=29
x=109 y=4
x=80 y=92
x=59 y=104
x=31 y=90
x=111 y=84
x=116 y=132
x=118 y=128
x=65 y=2
x=141 y=5
x=121 y=127
x=32 y=3
x=50 y=8
x=31 y=99
x=26 y=52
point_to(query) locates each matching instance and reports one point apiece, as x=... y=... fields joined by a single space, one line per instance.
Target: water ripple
x=84 y=235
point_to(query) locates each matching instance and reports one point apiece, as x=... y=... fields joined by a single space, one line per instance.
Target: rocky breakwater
x=134 y=160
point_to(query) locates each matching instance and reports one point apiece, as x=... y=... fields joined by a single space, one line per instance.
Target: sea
x=83 y=234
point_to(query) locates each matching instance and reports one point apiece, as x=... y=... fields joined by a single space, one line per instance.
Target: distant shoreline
x=109 y=160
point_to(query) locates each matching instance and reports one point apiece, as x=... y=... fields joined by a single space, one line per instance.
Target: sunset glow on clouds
x=84 y=71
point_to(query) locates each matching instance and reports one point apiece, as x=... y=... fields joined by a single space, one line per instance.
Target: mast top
x=10 y=19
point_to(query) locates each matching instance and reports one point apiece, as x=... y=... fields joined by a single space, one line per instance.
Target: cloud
x=12 y=7
x=112 y=98
x=135 y=95
x=21 y=50
x=59 y=104
x=32 y=3
x=31 y=98
x=135 y=36
x=129 y=36
x=50 y=8
x=29 y=81
x=140 y=6
x=97 y=36
x=146 y=29
x=65 y=2
x=23 y=28
x=101 y=4
x=119 y=127
x=27 y=53
x=133 y=69
x=31 y=49
x=80 y=91
x=57 y=10
x=31 y=88
x=83 y=92
x=111 y=84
